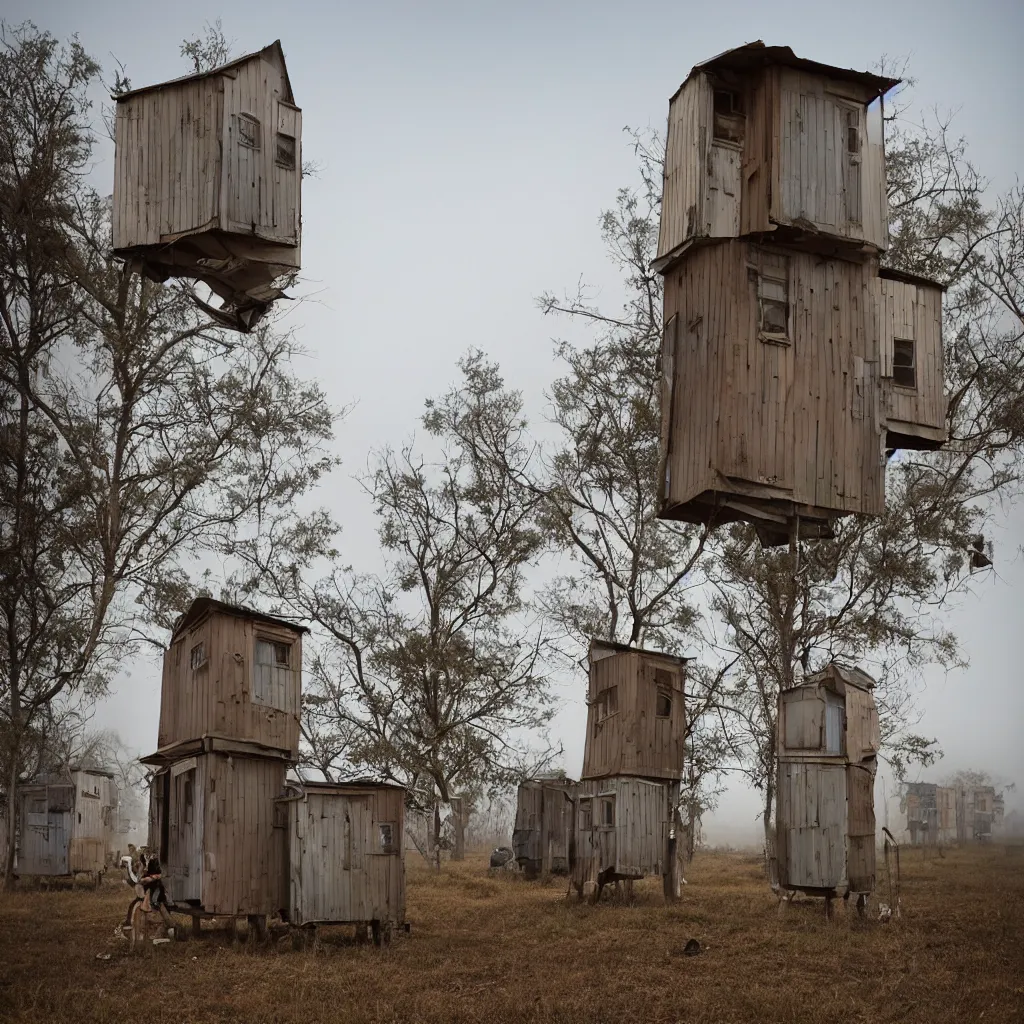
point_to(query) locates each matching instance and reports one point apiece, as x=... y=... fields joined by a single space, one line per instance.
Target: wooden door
x=287 y=172
x=184 y=866
x=723 y=210
x=812 y=825
x=245 y=145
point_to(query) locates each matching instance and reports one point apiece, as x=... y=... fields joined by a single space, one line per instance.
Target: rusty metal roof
x=755 y=55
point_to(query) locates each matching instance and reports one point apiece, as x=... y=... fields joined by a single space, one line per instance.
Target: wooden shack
x=207 y=180
x=828 y=741
x=636 y=719
x=762 y=142
x=68 y=823
x=622 y=831
x=930 y=813
x=543 y=831
x=231 y=673
x=218 y=829
x=790 y=362
x=345 y=854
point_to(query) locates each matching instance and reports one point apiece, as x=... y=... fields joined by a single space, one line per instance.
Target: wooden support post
x=545 y=853
x=196 y=926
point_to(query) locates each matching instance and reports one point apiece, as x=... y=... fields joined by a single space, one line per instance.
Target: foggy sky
x=467 y=151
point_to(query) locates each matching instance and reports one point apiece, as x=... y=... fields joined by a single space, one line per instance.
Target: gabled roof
x=204 y=605
x=751 y=56
x=274 y=53
x=845 y=673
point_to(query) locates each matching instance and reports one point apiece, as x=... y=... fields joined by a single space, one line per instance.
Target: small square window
x=727 y=102
x=247 y=130
x=198 y=656
x=284 y=151
x=37 y=805
x=904 y=370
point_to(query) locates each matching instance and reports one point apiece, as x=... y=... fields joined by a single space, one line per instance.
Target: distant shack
x=543 y=832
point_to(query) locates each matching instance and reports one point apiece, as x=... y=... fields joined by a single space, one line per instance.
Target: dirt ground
x=503 y=949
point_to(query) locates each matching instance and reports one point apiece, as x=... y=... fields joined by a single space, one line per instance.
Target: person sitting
x=156 y=895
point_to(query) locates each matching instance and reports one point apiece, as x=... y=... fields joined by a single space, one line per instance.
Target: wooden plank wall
x=813 y=182
x=913 y=312
x=167 y=162
x=634 y=740
x=338 y=869
x=259 y=196
x=244 y=839
x=863 y=737
x=860 y=798
x=217 y=698
x=798 y=422
x=761 y=105
x=687 y=150
x=544 y=816
x=90 y=828
x=811 y=835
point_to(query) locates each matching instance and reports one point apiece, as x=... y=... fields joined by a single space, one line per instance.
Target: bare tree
x=135 y=436
x=430 y=675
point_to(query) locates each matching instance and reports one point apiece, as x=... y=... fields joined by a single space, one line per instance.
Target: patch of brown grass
x=502 y=949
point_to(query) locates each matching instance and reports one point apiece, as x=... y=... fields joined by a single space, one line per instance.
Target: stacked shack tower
x=229 y=730
x=627 y=798
x=792 y=363
x=828 y=740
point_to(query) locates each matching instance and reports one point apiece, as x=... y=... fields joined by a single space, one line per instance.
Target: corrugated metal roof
x=274 y=49
x=751 y=56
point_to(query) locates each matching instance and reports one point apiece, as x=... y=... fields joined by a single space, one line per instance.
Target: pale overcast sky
x=467 y=150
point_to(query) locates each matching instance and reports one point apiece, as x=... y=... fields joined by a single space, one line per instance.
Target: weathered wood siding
x=226 y=693
x=180 y=167
x=168 y=167
x=634 y=843
x=46 y=816
x=820 y=180
x=912 y=312
x=93 y=822
x=860 y=800
x=345 y=854
x=634 y=739
x=811 y=835
x=221 y=842
x=753 y=417
x=542 y=835
x=795 y=165
x=259 y=195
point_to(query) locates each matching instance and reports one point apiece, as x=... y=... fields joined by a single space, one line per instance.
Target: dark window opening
x=386 y=831
x=904 y=370
x=198 y=656
x=728 y=116
x=284 y=152
x=852 y=131
x=664 y=704
x=608 y=810
x=248 y=129
x=79 y=817
x=607 y=703
x=773 y=307
x=188 y=801
x=586 y=814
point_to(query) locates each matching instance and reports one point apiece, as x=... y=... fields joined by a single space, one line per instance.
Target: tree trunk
x=11 y=824
x=459 y=823
x=436 y=840
x=771 y=867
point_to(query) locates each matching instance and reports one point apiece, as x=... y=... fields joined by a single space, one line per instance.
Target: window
x=269 y=652
x=188 y=801
x=197 y=658
x=904 y=372
x=773 y=305
x=284 y=151
x=607 y=810
x=272 y=682
x=664 y=703
x=247 y=131
x=387 y=834
x=37 y=805
x=852 y=131
x=586 y=816
x=607 y=703
x=728 y=116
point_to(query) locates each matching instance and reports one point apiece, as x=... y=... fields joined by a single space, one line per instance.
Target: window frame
x=286 y=164
x=764 y=301
x=911 y=366
x=604 y=702
x=203 y=660
x=254 y=140
x=585 y=812
x=607 y=810
x=389 y=847
x=728 y=128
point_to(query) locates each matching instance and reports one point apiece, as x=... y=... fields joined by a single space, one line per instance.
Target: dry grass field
x=499 y=949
